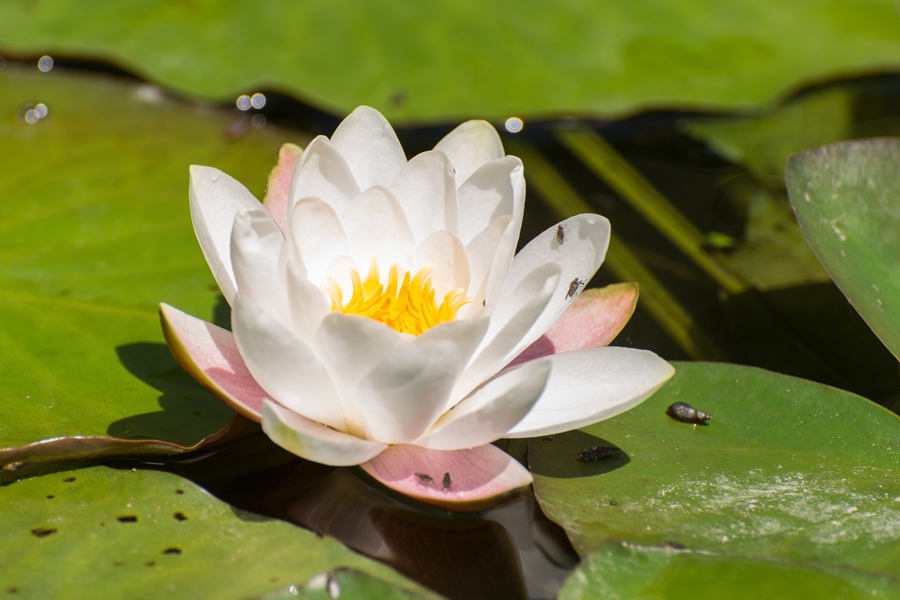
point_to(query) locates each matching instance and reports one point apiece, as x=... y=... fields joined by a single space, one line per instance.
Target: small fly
x=576 y=285
x=686 y=413
x=424 y=478
x=561 y=234
x=446 y=482
x=595 y=453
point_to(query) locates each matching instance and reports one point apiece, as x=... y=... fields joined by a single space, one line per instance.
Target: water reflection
x=45 y=63
x=512 y=552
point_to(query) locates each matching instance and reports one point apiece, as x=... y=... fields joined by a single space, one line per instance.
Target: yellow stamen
x=409 y=309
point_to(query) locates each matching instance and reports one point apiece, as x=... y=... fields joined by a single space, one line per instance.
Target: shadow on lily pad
x=576 y=454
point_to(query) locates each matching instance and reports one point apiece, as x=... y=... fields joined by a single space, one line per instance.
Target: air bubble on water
x=41 y=110
x=31 y=116
x=257 y=101
x=243 y=102
x=514 y=124
x=45 y=63
x=258 y=121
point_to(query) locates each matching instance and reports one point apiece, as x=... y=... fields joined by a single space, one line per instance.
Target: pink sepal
x=279 y=184
x=464 y=480
x=593 y=320
x=210 y=355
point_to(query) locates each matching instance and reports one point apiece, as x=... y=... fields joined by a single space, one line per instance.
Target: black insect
x=595 y=453
x=424 y=478
x=687 y=413
x=560 y=234
x=447 y=482
x=576 y=285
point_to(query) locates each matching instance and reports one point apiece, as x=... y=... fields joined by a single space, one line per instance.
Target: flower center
x=409 y=309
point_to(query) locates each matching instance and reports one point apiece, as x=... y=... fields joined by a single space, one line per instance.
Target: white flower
x=378 y=302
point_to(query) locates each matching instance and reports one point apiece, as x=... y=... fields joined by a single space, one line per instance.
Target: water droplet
x=214 y=176
x=243 y=102
x=149 y=94
x=41 y=110
x=258 y=121
x=334 y=589
x=257 y=101
x=31 y=116
x=514 y=124
x=45 y=63
x=294 y=590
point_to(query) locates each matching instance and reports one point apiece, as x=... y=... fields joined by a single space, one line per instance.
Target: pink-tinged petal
x=370 y=146
x=279 y=184
x=446 y=252
x=256 y=243
x=490 y=411
x=578 y=257
x=465 y=480
x=376 y=226
x=470 y=146
x=494 y=190
x=323 y=173
x=586 y=386
x=593 y=320
x=210 y=355
x=404 y=394
x=215 y=199
x=317 y=236
x=285 y=366
x=314 y=441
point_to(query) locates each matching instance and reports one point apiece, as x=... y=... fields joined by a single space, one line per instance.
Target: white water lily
x=377 y=304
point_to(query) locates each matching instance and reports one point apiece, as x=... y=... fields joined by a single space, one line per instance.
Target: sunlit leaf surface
x=785 y=468
x=96 y=232
x=846 y=199
x=127 y=534
x=617 y=572
x=436 y=61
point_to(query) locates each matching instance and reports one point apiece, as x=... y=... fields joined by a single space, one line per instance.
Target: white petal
x=579 y=257
x=587 y=386
x=284 y=366
x=314 y=441
x=350 y=346
x=470 y=146
x=322 y=172
x=490 y=411
x=215 y=200
x=509 y=323
x=307 y=303
x=370 y=146
x=481 y=252
x=426 y=189
x=494 y=190
x=376 y=227
x=317 y=236
x=451 y=262
x=256 y=242
x=403 y=395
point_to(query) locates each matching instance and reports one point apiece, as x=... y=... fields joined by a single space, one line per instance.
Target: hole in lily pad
x=172 y=550
x=43 y=531
x=69 y=479
x=127 y=518
x=180 y=516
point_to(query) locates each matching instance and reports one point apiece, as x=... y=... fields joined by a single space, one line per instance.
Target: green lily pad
x=129 y=534
x=785 y=468
x=844 y=196
x=622 y=572
x=437 y=61
x=96 y=232
x=348 y=583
